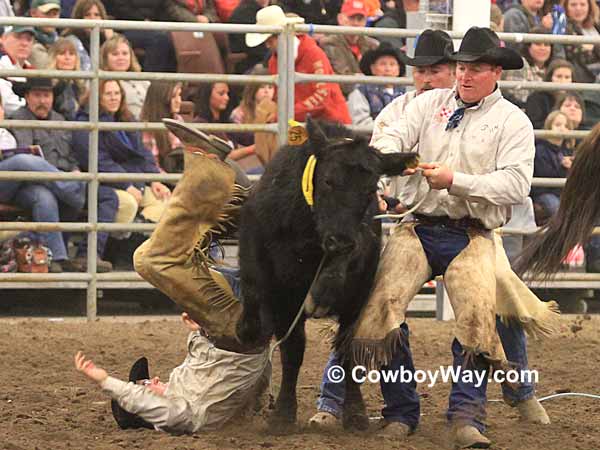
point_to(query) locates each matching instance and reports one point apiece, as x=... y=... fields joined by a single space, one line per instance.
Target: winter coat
x=320 y=100
x=548 y=164
x=56 y=144
x=343 y=61
x=114 y=155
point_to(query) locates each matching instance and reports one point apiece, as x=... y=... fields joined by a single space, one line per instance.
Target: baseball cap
x=354 y=7
x=45 y=5
x=18 y=29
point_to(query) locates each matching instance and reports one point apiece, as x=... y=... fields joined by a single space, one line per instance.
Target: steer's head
x=344 y=185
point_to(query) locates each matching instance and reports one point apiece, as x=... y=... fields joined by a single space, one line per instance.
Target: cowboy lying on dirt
x=220 y=378
x=209 y=388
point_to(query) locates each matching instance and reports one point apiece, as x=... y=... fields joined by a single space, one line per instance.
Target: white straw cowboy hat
x=272 y=16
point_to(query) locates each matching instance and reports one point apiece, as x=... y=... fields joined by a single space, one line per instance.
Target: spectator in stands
x=44 y=36
x=163 y=100
x=496 y=19
x=66 y=8
x=211 y=105
x=7 y=140
x=246 y=13
x=6 y=9
x=159 y=54
x=63 y=55
x=521 y=18
x=366 y=101
x=553 y=159
x=320 y=100
x=320 y=12
x=540 y=103
x=91 y=10
x=17 y=43
x=345 y=50
x=394 y=16
x=573 y=106
x=116 y=54
x=258 y=106
x=122 y=151
x=536 y=58
x=582 y=20
x=203 y=11
x=45 y=200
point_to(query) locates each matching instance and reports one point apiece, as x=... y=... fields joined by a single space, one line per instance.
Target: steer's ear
x=395 y=163
x=317 y=138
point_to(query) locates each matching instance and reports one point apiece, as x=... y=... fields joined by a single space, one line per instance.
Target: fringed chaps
x=480 y=284
x=515 y=303
x=402 y=271
x=175 y=260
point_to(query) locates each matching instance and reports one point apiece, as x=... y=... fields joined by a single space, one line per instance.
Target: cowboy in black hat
x=366 y=101
x=485 y=145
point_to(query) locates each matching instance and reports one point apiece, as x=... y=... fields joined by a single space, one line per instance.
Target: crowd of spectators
x=157 y=51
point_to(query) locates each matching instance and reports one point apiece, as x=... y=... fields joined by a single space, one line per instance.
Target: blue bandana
x=458 y=114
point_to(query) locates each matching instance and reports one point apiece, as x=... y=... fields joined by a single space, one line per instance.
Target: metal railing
x=285 y=80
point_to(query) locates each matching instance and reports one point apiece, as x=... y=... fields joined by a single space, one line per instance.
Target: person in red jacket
x=320 y=100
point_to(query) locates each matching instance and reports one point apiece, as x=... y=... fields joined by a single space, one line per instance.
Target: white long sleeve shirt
x=491 y=153
x=209 y=388
x=10 y=101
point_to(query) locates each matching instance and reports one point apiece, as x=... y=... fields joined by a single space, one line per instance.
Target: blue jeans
x=467 y=402
x=71 y=193
x=401 y=399
x=50 y=201
x=550 y=203
x=44 y=199
x=108 y=203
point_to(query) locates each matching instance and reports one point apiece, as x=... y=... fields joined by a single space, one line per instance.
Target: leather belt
x=463 y=222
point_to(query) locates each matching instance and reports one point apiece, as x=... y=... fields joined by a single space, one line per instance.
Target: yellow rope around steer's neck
x=308 y=187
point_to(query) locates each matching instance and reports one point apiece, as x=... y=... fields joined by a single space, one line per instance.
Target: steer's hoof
x=356 y=421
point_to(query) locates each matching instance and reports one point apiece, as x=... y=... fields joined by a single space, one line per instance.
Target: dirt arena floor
x=45 y=404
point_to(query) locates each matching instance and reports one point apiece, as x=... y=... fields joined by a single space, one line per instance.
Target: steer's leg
x=355 y=414
x=292 y=355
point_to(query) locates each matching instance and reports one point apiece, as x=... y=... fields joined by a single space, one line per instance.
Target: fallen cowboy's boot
x=531 y=410
x=196 y=138
x=324 y=421
x=467 y=436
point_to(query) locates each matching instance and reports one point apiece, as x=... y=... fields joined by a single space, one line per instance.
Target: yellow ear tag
x=307 y=180
x=297 y=134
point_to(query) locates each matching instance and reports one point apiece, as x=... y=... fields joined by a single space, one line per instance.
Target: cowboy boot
x=172 y=259
x=467 y=436
x=531 y=410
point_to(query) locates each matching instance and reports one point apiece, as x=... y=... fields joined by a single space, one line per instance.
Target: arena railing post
x=91 y=297
x=283 y=72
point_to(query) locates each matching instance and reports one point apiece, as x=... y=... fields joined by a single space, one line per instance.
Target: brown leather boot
x=174 y=258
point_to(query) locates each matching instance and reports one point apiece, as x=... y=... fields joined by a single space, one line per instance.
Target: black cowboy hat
x=433 y=47
x=483 y=45
x=125 y=420
x=385 y=49
x=42 y=84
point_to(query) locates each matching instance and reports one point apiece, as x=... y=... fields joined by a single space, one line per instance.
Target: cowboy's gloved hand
x=438 y=176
